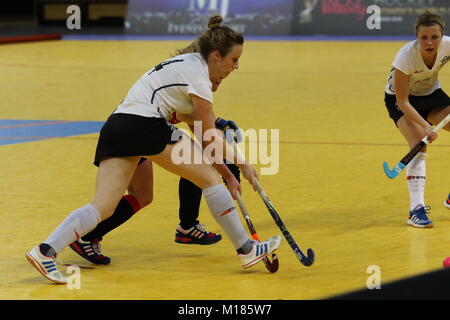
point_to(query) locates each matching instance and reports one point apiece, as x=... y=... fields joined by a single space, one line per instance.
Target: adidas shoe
x=418 y=217
x=447 y=202
x=259 y=251
x=90 y=250
x=45 y=265
x=196 y=235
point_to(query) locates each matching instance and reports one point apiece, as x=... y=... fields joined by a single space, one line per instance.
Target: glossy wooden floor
x=327 y=100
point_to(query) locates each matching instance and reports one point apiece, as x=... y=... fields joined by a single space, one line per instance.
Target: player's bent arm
x=401 y=82
x=195 y=132
x=203 y=112
x=185 y=117
x=232 y=182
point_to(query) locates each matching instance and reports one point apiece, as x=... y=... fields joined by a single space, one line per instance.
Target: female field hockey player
x=138 y=129
x=140 y=194
x=415 y=102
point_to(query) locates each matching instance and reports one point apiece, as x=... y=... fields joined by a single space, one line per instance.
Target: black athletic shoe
x=196 y=235
x=91 y=251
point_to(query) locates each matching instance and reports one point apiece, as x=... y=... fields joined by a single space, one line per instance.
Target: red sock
x=133 y=202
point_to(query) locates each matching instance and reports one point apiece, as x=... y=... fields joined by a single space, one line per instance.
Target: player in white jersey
x=140 y=195
x=138 y=129
x=415 y=102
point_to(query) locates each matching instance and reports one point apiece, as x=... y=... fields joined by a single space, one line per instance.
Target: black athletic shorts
x=125 y=135
x=423 y=104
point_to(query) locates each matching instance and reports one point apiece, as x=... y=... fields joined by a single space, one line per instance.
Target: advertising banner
x=359 y=17
x=163 y=17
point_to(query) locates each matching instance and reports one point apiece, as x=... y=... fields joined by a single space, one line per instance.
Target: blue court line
x=121 y=37
x=19 y=131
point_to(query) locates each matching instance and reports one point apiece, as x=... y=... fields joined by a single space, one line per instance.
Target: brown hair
x=428 y=19
x=217 y=37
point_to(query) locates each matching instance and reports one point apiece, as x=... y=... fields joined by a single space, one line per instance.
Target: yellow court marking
x=326 y=99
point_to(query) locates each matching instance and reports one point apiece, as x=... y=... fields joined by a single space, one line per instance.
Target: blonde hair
x=217 y=37
x=428 y=19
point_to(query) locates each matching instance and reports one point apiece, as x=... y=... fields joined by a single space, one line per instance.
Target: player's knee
x=142 y=198
x=105 y=210
x=209 y=180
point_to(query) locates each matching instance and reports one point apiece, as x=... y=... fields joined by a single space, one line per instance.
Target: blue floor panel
x=19 y=131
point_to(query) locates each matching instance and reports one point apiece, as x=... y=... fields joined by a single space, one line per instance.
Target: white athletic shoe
x=259 y=251
x=45 y=265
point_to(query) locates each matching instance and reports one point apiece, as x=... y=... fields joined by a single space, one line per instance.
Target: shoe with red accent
x=90 y=250
x=196 y=235
x=447 y=202
x=259 y=251
x=45 y=265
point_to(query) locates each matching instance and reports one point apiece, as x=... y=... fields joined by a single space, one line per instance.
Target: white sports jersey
x=423 y=81
x=165 y=88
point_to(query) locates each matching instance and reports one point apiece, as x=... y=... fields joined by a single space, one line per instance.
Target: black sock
x=126 y=208
x=246 y=248
x=234 y=170
x=47 y=250
x=190 y=197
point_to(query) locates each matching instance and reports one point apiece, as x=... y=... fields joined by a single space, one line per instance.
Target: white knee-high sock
x=222 y=207
x=416 y=178
x=74 y=226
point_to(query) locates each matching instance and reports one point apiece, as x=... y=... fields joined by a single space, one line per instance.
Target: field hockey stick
x=273 y=265
x=413 y=152
x=306 y=260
